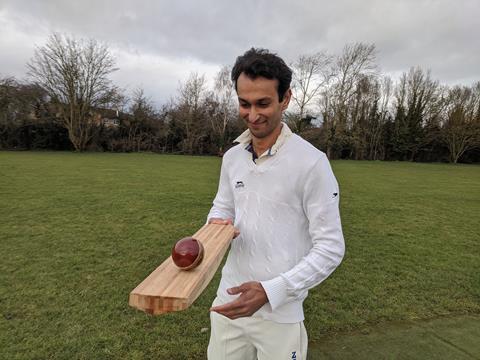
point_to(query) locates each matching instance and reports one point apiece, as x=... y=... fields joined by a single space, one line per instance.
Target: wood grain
x=168 y=288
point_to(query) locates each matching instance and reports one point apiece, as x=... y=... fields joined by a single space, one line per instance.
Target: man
x=281 y=195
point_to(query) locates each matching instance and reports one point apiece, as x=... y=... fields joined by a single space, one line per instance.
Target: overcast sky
x=158 y=43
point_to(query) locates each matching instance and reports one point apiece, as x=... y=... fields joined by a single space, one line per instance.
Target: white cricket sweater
x=286 y=209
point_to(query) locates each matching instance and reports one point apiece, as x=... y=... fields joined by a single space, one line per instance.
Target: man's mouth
x=257 y=124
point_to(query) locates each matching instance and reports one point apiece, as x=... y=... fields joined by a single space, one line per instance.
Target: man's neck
x=260 y=145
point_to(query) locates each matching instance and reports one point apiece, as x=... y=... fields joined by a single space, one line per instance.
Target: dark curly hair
x=260 y=62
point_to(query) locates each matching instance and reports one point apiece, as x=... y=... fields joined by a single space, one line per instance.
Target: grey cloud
x=438 y=35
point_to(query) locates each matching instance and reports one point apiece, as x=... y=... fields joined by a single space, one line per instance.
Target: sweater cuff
x=276 y=290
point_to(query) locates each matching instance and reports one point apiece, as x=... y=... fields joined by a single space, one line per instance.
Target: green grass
x=79 y=231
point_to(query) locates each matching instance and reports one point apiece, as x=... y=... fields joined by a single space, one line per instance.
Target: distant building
x=108 y=118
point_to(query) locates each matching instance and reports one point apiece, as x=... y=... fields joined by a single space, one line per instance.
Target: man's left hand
x=252 y=297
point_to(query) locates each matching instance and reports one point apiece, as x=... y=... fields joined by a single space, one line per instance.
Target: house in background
x=108 y=118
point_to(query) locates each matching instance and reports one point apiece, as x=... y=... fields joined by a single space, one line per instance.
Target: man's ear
x=286 y=99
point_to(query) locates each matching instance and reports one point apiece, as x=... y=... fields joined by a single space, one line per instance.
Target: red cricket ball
x=187 y=253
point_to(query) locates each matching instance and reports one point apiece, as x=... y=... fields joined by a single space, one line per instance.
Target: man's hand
x=224 y=222
x=252 y=298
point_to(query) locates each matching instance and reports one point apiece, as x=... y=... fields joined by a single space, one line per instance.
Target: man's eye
x=263 y=105
x=244 y=105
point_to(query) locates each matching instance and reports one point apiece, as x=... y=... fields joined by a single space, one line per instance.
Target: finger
x=228 y=307
x=235 y=309
x=218 y=221
x=234 y=290
x=232 y=313
x=236 y=313
x=233 y=316
x=236 y=232
x=238 y=289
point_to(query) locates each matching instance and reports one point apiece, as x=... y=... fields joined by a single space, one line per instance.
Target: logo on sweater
x=239 y=184
x=294 y=355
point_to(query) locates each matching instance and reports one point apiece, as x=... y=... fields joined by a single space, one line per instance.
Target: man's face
x=260 y=107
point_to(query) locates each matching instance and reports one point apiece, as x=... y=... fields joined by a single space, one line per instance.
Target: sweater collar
x=246 y=139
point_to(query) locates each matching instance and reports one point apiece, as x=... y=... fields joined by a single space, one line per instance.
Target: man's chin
x=258 y=133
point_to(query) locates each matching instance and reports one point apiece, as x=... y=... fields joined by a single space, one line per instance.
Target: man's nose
x=252 y=115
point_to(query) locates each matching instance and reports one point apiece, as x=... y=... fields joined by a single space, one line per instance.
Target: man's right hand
x=224 y=222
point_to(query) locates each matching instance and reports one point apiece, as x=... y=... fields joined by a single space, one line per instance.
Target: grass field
x=79 y=231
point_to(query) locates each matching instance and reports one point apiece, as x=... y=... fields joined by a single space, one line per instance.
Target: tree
x=225 y=110
x=26 y=119
x=461 y=130
x=311 y=74
x=140 y=128
x=418 y=102
x=8 y=109
x=190 y=111
x=364 y=115
x=377 y=129
x=357 y=62
x=74 y=74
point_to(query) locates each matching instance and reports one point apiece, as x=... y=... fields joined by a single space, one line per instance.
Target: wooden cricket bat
x=169 y=288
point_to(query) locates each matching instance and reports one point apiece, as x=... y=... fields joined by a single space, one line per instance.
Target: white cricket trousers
x=252 y=338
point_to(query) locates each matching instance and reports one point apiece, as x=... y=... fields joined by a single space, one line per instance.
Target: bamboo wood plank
x=169 y=288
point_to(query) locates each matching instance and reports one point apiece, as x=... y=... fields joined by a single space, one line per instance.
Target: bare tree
x=8 y=87
x=364 y=116
x=376 y=149
x=418 y=101
x=225 y=109
x=461 y=130
x=311 y=74
x=192 y=94
x=356 y=62
x=140 y=126
x=74 y=74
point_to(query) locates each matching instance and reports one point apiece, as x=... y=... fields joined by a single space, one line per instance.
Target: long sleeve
x=321 y=206
x=223 y=204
